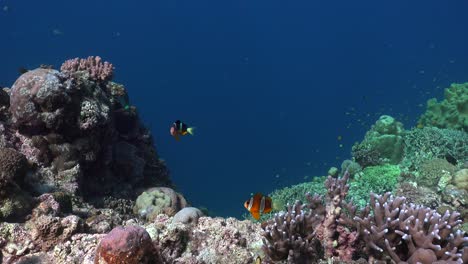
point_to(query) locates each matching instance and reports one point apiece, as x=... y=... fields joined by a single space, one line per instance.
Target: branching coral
x=329 y=227
x=96 y=68
x=430 y=142
x=410 y=233
x=306 y=233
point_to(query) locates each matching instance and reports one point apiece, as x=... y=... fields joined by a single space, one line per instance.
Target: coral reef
x=78 y=137
x=451 y=112
x=387 y=228
x=81 y=182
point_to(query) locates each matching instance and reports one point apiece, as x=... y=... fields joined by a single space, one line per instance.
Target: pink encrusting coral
x=98 y=70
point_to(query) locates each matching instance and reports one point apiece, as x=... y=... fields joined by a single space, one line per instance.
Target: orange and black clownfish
x=258 y=204
x=179 y=128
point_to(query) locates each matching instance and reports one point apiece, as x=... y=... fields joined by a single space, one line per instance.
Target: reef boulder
x=130 y=245
x=158 y=200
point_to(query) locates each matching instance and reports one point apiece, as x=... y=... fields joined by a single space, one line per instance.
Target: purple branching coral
x=411 y=233
x=328 y=227
x=307 y=233
x=96 y=68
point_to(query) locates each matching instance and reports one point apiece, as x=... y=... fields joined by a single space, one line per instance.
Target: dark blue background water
x=266 y=83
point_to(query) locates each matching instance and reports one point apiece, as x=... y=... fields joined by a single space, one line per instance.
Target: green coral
x=149 y=204
x=376 y=179
x=452 y=112
x=352 y=167
x=280 y=198
x=423 y=144
x=435 y=172
x=383 y=143
x=15 y=206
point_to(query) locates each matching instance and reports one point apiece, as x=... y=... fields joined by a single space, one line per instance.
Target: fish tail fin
x=191 y=130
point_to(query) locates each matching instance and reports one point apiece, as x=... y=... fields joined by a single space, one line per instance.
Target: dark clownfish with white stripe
x=179 y=129
x=258 y=205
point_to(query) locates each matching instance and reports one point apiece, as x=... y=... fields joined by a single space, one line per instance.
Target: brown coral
x=12 y=166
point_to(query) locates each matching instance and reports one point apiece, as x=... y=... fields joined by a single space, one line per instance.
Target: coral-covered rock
x=433 y=171
x=46 y=228
x=188 y=215
x=80 y=134
x=158 y=200
x=12 y=167
x=418 y=194
x=38 y=100
x=211 y=240
x=80 y=248
x=130 y=245
x=461 y=179
x=103 y=221
x=16 y=205
x=383 y=143
x=457 y=198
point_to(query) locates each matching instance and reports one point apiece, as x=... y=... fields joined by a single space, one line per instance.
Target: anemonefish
x=258 y=204
x=179 y=128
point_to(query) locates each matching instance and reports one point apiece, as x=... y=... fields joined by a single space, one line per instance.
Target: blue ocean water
x=270 y=85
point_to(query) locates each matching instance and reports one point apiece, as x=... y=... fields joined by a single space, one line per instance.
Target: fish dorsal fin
x=259 y=195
